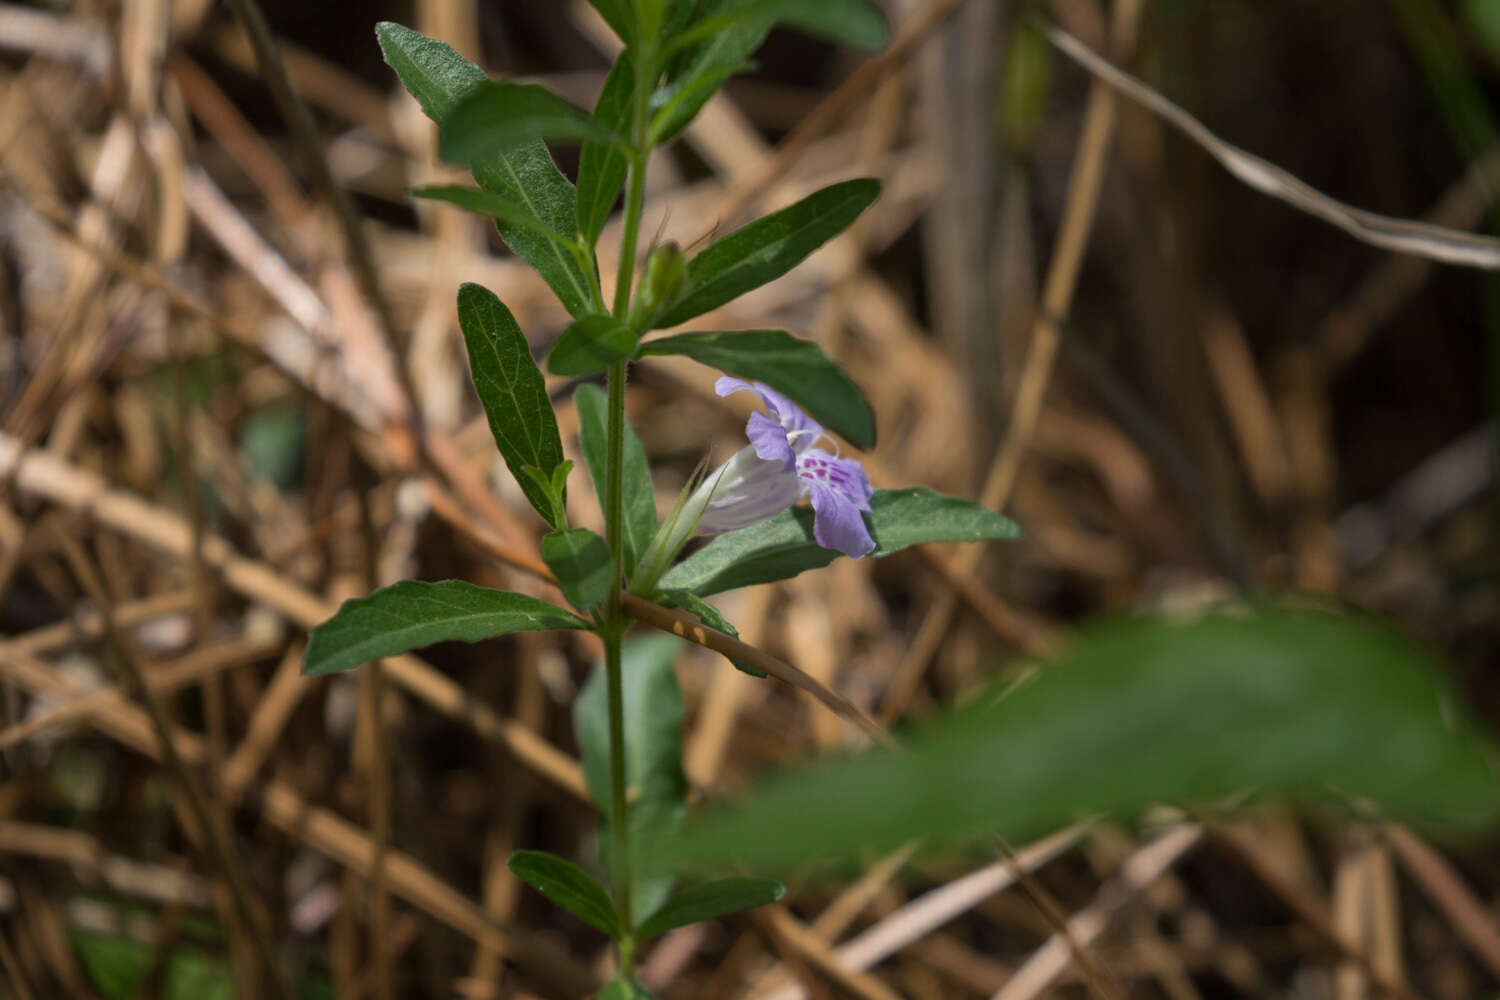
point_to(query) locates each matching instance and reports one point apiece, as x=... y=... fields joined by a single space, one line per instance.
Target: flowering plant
x=676 y=54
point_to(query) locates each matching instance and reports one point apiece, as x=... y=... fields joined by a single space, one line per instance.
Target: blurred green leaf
x=1292 y=702
x=591 y=344
x=499 y=116
x=569 y=887
x=637 y=498
x=623 y=989
x=783 y=546
x=768 y=248
x=117 y=966
x=193 y=975
x=709 y=901
x=497 y=207
x=439 y=78
x=514 y=395
x=619 y=16
x=856 y=23
x=413 y=613
x=602 y=166
x=653 y=755
x=792 y=366
x=581 y=561
x=272 y=443
x=1484 y=17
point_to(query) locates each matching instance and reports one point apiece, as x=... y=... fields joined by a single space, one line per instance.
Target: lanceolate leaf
x=496 y=206
x=797 y=368
x=496 y=115
x=581 y=561
x=1295 y=703
x=768 y=248
x=511 y=388
x=637 y=498
x=602 y=166
x=856 y=23
x=623 y=989
x=710 y=901
x=412 y=614
x=591 y=344
x=524 y=175
x=568 y=886
x=783 y=546
x=693 y=75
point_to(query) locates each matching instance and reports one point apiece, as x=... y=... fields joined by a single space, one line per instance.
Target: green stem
x=618 y=818
x=615 y=622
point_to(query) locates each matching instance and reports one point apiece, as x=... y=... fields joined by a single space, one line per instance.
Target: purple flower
x=778 y=468
x=781 y=466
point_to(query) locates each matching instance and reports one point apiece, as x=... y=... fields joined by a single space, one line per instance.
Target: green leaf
x=797 y=368
x=439 y=78
x=1293 y=703
x=412 y=614
x=701 y=64
x=710 y=616
x=582 y=564
x=569 y=886
x=499 y=116
x=601 y=166
x=768 y=248
x=623 y=989
x=855 y=23
x=514 y=395
x=619 y=16
x=710 y=901
x=638 y=500
x=783 y=546
x=653 y=754
x=591 y=344
x=496 y=206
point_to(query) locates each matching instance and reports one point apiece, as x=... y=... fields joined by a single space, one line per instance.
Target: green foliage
x=523 y=175
x=768 y=248
x=498 y=207
x=623 y=989
x=638 y=500
x=412 y=614
x=514 y=396
x=273 y=441
x=569 y=886
x=712 y=40
x=495 y=115
x=796 y=368
x=1293 y=702
x=591 y=344
x=118 y=968
x=602 y=165
x=709 y=901
x=783 y=546
x=655 y=784
x=582 y=564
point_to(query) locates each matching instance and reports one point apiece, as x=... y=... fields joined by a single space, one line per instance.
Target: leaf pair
x=573 y=889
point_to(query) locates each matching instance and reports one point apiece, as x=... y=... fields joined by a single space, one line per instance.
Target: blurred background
x=1184 y=391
